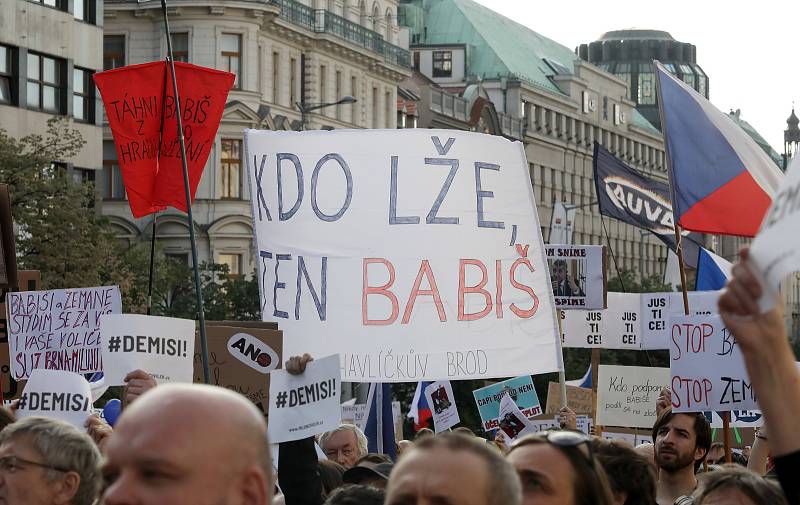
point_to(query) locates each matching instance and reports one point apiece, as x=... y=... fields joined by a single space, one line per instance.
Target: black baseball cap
x=367 y=470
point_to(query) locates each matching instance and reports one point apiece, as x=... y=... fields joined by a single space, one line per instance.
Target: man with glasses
x=47 y=462
x=563 y=283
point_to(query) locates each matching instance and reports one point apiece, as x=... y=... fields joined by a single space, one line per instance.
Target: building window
x=113 y=51
x=45 y=83
x=338 y=95
x=375 y=107
x=687 y=75
x=323 y=83
x=231 y=166
x=57 y=4
x=416 y=61
x=388 y=100
x=232 y=56
x=84 y=10
x=276 y=67
x=354 y=94
x=181 y=258
x=647 y=90
x=82 y=103
x=443 y=63
x=292 y=82
x=180 y=47
x=6 y=75
x=234 y=263
x=113 y=188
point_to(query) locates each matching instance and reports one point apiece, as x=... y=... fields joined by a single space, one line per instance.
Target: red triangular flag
x=140 y=106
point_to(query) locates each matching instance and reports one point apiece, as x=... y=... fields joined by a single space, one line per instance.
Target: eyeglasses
x=10 y=464
x=572 y=439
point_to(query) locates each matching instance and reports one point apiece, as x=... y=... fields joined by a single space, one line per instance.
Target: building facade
x=284 y=53
x=48 y=51
x=545 y=97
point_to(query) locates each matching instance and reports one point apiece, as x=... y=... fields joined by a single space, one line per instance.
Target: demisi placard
x=58 y=329
x=578 y=274
x=414 y=254
x=706 y=367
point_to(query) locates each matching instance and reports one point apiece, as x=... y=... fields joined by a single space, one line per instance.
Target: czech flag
x=419 y=410
x=721 y=180
x=713 y=271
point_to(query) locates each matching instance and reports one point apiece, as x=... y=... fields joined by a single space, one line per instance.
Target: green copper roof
x=643 y=123
x=748 y=128
x=496 y=45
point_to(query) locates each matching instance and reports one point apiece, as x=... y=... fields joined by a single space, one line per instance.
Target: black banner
x=624 y=194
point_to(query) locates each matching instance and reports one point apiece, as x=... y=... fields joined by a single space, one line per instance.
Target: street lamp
x=305 y=108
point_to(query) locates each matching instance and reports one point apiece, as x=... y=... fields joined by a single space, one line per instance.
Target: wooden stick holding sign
x=598 y=430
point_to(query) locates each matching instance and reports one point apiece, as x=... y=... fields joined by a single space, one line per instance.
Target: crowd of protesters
x=194 y=444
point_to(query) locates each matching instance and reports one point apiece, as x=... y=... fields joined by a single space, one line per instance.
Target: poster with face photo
x=443 y=405
x=578 y=275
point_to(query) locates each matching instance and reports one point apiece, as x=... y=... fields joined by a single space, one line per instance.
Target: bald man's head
x=201 y=444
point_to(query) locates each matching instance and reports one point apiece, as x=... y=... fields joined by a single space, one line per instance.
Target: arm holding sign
x=771 y=366
x=137 y=383
x=297 y=461
x=99 y=430
x=759 y=454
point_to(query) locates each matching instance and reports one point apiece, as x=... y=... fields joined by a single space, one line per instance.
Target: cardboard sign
x=29 y=280
x=416 y=253
x=614 y=328
x=578 y=274
x=161 y=346
x=58 y=395
x=775 y=251
x=579 y=400
x=442 y=401
x=227 y=356
x=626 y=395
x=304 y=405
x=58 y=329
x=511 y=420
x=706 y=367
x=521 y=391
x=657 y=308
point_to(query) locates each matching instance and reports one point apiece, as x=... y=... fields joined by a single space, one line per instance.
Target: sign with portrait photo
x=578 y=275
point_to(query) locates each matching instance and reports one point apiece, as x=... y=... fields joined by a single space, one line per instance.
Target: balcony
x=449 y=105
x=322 y=21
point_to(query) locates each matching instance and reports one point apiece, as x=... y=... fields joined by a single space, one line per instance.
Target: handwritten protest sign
x=357 y=414
x=706 y=367
x=443 y=405
x=58 y=395
x=775 y=251
x=578 y=274
x=511 y=420
x=614 y=328
x=545 y=422
x=241 y=364
x=658 y=307
x=416 y=253
x=161 y=346
x=58 y=329
x=304 y=405
x=626 y=395
x=521 y=391
x=579 y=400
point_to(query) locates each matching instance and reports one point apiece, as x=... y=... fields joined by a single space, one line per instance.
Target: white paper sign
x=304 y=405
x=414 y=254
x=161 y=346
x=626 y=395
x=58 y=329
x=706 y=367
x=512 y=421
x=614 y=328
x=658 y=307
x=776 y=249
x=442 y=402
x=58 y=395
x=578 y=275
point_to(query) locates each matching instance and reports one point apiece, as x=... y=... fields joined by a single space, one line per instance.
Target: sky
x=749 y=50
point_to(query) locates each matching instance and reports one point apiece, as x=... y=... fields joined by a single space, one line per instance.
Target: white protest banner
x=626 y=395
x=304 y=405
x=658 y=307
x=545 y=422
x=774 y=251
x=58 y=329
x=58 y=395
x=578 y=274
x=443 y=405
x=354 y=414
x=616 y=327
x=512 y=421
x=414 y=254
x=706 y=367
x=161 y=346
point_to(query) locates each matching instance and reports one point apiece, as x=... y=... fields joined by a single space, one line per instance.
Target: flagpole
x=152 y=264
x=379 y=417
x=190 y=218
